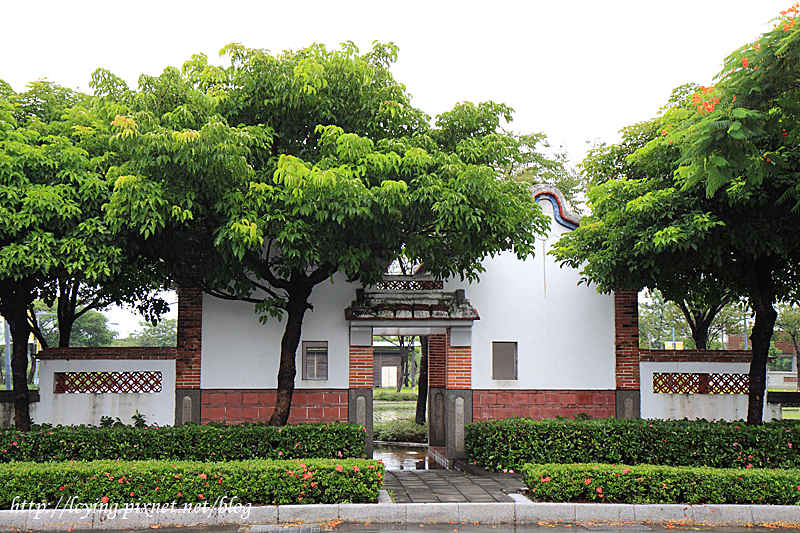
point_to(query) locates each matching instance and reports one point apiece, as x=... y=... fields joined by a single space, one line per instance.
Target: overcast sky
x=577 y=71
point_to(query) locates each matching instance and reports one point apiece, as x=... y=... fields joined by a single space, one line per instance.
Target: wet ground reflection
x=404 y=457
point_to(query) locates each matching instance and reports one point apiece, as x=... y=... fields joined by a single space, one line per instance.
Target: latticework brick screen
x=107 y=382
x=677 y=383
x=410 y=285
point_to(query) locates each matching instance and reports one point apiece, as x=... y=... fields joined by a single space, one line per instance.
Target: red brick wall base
x=234 y=406
x=539 y=404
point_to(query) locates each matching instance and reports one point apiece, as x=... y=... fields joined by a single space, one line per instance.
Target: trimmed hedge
x=164 y=482
x=183 y=443
x=660 y=484
x=513 y=442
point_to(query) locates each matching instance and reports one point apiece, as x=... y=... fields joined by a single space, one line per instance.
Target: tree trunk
x=65 y=310
x=20 y=331
x=762 y=297
x=422 y=394
x=65 y=330
x=32 y=371
x=700 y=320
x=399 y=382
x=295 y=310
x=796 y=359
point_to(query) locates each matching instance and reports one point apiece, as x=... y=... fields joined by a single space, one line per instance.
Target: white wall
x=564 y=331
x=782 y=381
x=85 y=408
x=238 y=352
x=695 y=406
x=7 y=414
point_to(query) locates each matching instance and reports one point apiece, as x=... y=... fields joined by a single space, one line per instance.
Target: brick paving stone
x=439 y=486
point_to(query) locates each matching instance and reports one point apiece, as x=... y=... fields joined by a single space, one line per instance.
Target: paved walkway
x=450 y=486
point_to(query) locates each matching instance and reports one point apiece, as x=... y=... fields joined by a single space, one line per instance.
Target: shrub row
x=162 y=482
x=400 y=431
x=389 y=395
x=183 y=443
x=510 y=443
x=660 y=484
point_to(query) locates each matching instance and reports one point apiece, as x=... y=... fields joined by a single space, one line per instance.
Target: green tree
x=729 y=218
x=51 y=192
x=164 y=333
x=659 y=321
x=700 y=300
x=53 y=185
x=659 y=318
x=788 y=326
x=90 y=329
x=261 y=180
x=69 y=298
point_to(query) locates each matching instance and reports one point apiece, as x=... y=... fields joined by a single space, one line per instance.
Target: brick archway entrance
x=396 y=308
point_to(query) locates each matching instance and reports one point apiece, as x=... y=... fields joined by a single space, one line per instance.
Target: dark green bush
x=163 y=482
x=510 y=443
x=661 y=484
x=183 y=443
x=400 y=431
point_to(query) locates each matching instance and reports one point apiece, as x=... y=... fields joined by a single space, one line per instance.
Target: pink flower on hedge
x=313 y=484
x=280 y=430
x=735 y=443
x=203 y=476
x=339 y=453
x=180 y=495
x=62 y=487
x=201 y=496
x=790 y=445
x=626 y=470
x=749 y=465
x=356 y=469
x=380 y=476
x=280 y=453
x=338 y=468
x=372 y=467
x=663 y=485
x=307 y=475
x=599 y=490
x=639 y=479
x=588 y=482
x=544 y=479
x=104 y=499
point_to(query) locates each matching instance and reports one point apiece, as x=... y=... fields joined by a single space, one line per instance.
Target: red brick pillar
x=626 y=341
x=361 y=367
x=437 y=361
x=187 y=363
x=459 y=367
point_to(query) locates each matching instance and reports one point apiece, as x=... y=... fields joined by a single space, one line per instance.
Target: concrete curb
x=521 y=511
